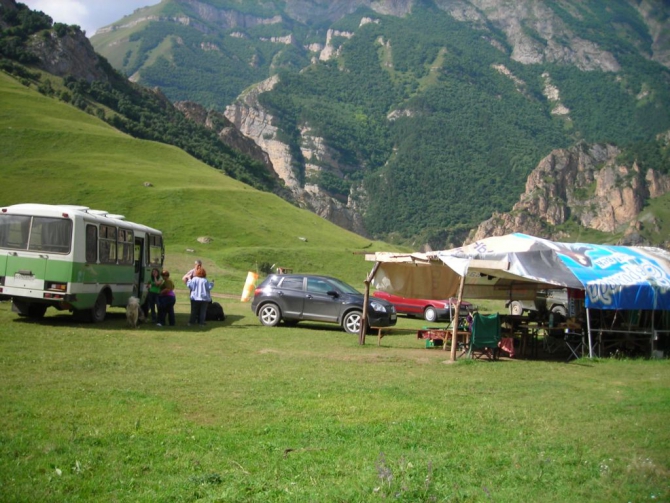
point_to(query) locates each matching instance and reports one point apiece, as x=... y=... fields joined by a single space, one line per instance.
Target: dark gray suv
x=302 y=297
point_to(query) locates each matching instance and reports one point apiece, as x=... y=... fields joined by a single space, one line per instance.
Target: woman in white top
x=200 y=296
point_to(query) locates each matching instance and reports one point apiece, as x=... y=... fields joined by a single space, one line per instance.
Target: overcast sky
x=89 y=14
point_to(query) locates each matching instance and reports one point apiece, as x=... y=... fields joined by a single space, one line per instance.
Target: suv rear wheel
x=269 y=315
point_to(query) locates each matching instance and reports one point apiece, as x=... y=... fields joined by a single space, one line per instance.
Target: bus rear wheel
x=36 y=311
x=29 y=309
x=99 y=310
x=96 y=314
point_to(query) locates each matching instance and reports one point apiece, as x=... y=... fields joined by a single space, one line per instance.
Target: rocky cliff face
x=534 y=32
x=256 y=123
x=659 y=29
x=207 y=15
x=71 y=54
x=226 y=130
x=585 y=184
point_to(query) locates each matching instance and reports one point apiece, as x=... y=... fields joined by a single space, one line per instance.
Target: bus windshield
x=21 y=232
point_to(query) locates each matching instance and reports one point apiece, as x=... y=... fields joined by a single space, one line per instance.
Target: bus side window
x=107 y=244
x=155 y=250
x=125 y=247
x=91 y=244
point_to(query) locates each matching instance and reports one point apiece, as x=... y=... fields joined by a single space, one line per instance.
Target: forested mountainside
x=59 y=60
x=421 y=117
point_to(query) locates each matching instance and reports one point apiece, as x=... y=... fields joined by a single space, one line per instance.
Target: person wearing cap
x=166 y=300
x=189 y=275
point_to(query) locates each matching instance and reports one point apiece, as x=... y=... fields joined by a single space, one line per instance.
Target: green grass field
x=54 y=153
x=238 y=412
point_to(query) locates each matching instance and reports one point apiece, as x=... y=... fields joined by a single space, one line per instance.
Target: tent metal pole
x=588 y=331
x=454 y=324
x=653 y=315
x=366 y=297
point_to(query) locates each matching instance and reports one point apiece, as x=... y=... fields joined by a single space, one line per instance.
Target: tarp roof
x=516 y=265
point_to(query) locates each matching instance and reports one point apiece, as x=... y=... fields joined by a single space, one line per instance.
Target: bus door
x=138 y=278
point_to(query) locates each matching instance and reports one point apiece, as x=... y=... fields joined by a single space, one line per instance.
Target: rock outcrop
x=256 y=123
x=534 y=32
x=71 y=54
x=226 y=130
x=585 y=184
x=659 y=29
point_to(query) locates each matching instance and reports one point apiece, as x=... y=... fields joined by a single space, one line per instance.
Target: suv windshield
x=344 y=287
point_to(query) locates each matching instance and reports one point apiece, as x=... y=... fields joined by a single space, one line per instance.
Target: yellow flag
x=249 y=286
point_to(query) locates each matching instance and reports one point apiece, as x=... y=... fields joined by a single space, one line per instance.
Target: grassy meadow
x=237 y=412
x=54 y=153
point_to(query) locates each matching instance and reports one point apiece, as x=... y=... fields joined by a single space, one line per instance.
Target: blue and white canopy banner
x=622 y=277
x=613 y=277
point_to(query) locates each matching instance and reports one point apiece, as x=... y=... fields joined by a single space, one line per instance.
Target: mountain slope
x=30 y=39
x=407 y=112
x=54 y=153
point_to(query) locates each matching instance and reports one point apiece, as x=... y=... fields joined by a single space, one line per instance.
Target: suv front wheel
x=352 y=322
x=269 y=315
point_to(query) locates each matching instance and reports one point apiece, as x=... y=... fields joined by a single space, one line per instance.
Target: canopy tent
x=515 y=266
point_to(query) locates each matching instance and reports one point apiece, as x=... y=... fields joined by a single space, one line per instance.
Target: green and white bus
x=73 y=258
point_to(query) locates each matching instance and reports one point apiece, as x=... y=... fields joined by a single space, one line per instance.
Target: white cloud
x=62 y=11
x=88 y=14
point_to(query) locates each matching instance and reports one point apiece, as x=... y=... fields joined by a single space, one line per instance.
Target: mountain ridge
x=376 y=141
x=380 y=108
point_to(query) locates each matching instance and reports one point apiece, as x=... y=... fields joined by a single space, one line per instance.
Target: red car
x=429 y=310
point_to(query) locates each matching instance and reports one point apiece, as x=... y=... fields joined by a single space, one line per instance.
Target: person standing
x=166 y=300
x=189 y=276
x=200 y=296
x=152 y=295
